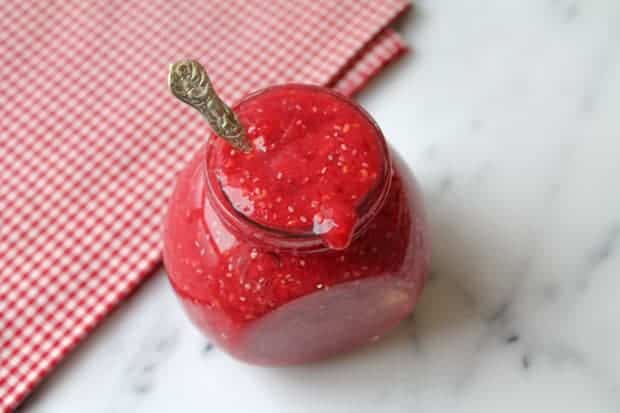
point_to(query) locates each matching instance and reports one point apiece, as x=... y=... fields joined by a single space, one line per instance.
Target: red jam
x=310 y=244
x=316 y=157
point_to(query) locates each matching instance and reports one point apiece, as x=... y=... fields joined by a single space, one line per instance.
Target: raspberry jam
x=308 y=245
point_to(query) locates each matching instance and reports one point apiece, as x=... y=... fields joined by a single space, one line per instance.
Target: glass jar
x=272 y=296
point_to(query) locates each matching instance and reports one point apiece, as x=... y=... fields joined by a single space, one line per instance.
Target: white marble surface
x=509 y=113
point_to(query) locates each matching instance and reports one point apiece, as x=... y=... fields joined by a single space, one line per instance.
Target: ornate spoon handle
x=189 y=82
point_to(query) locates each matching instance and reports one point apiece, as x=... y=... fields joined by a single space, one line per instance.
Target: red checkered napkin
x=90 y=139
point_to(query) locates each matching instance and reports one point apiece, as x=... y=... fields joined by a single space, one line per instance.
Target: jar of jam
x=306 y=241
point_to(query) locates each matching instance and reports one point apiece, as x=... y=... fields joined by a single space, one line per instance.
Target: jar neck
x=277 y=238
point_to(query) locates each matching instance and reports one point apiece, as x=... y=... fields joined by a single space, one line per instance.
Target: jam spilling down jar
x=308 y=242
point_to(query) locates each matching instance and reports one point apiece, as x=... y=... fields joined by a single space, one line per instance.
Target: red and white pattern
x=90 y=139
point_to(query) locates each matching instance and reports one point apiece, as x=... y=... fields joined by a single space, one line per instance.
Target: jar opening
x=298 y=220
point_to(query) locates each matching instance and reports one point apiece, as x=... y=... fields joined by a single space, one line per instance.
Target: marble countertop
x=509 y=114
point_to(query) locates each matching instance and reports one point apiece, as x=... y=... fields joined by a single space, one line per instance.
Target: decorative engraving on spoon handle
x=190 y=83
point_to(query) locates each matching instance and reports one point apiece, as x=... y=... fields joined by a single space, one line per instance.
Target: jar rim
x=367 y=208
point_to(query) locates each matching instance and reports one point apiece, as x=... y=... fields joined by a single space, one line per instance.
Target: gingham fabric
x=91 y=139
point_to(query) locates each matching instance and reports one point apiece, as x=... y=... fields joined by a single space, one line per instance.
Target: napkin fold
x=91 y=139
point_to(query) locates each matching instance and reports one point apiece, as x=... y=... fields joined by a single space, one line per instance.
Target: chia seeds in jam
x=310 y=244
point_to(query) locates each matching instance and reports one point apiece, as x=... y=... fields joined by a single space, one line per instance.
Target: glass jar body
x=274 y=303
